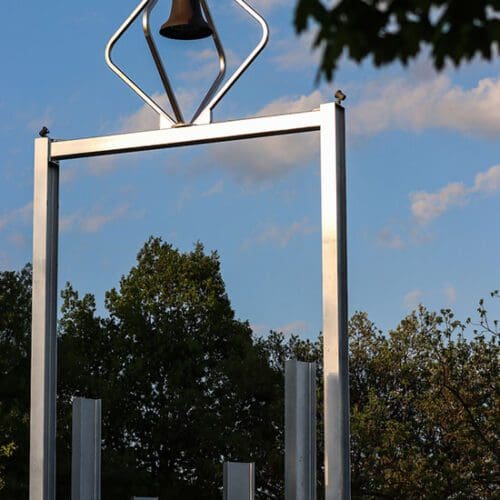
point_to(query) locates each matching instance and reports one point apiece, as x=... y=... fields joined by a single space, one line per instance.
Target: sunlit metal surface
x=335 y=318
x=238 y=481
x=300 y=430
x=158 y=62
x=86 y=450
x=331 y=123
x=185 y=136
x=166 y=118
x=207 y=117
x=203 y=114
x=43 y=324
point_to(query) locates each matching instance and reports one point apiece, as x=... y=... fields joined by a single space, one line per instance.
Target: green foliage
x=396 y=30
x=424 y=405
x=184 y=387
x=15 y=318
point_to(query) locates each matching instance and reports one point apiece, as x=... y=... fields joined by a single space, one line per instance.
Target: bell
x=185 y=22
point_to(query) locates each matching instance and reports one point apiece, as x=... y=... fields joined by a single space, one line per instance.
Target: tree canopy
x=185 y=386
x=15 y=319
x=398 y=30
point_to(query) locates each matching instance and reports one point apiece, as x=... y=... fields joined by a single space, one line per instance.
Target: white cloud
x=280 y=235
x=18 y=240
x=399 y=104
x=259 y=160
x=206 y=63
x=217 y=188
x=296 y=53
x=257 y=329
x=412 y=299
x=69 y=221
x=425 y=206
x=450 y=293
x=23 y=214
x=184 y=196
x=145 y=118
x=285 y=105
x=295 y=327
x=488 y=182
x=406 y=104
x=93 y=221
x=402 y=104
x=265 y=6
x=386 y=238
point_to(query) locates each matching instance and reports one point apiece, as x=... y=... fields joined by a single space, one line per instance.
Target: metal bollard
x=86 y=450
x=300 y=430
x=239 y=481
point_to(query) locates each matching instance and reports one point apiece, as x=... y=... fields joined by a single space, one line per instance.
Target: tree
x=183 y=385
x=397 y=30
x=15 y=320
x=425 y=400
x=424 y=405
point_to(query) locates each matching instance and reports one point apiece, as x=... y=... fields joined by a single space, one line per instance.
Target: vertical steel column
x=335 y=318
x=44 y=322
x=86 y=450
x=300 y=430
x=239 y=481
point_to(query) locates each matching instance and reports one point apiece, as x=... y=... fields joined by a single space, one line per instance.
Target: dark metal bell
x=186 y=21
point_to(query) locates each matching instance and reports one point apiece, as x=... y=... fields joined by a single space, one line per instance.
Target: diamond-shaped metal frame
x=214 y=95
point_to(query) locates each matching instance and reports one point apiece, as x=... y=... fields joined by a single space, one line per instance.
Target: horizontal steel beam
x=186 y=135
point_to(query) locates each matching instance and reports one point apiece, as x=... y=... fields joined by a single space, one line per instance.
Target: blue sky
x=423 y=165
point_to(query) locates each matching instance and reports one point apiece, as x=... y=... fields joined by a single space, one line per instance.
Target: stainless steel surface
x=335 y=319
x=201 y=117
x=161 y=70
x=165 y=117
x=300 y=430
x=185 y=136
x=158 y=62
x=203 y=114
x=239 y=481
x=330 y=121
x=86 y=450
x=44 y=321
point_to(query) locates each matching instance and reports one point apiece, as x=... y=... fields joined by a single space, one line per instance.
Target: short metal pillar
x=86 y=450
x=335 y=318
x=43 y=326
x=300 y=430
x=239 y=481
